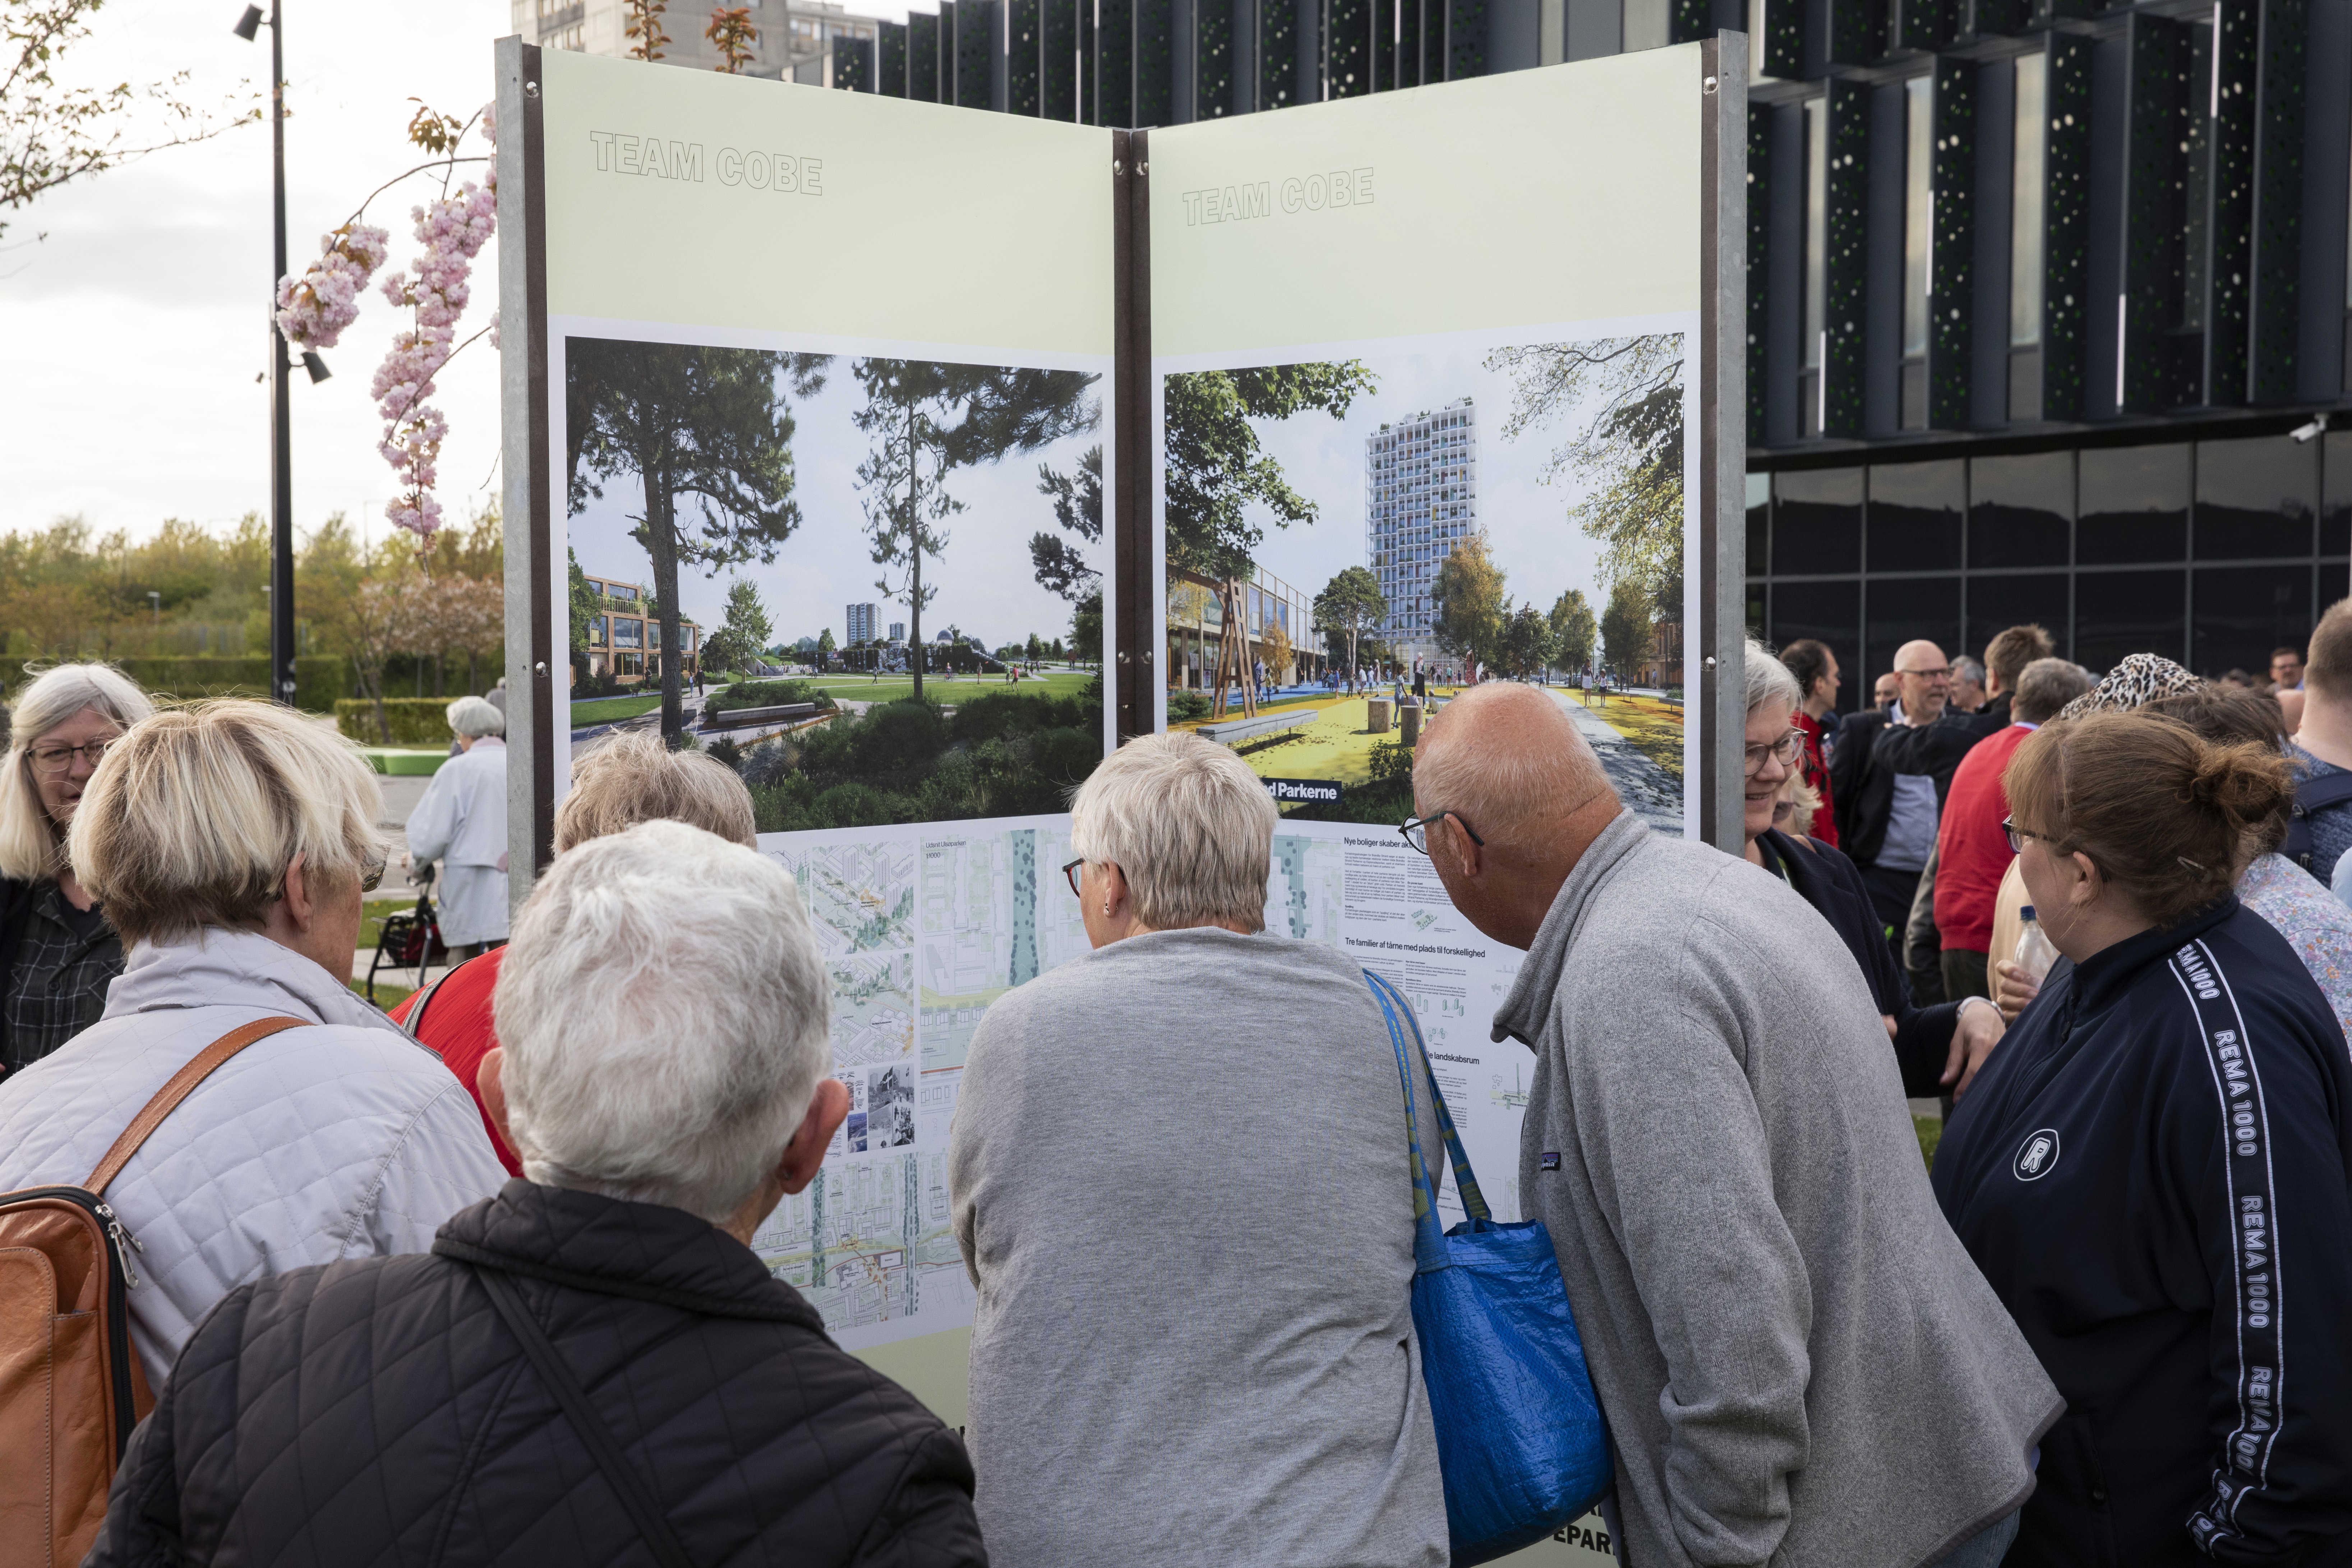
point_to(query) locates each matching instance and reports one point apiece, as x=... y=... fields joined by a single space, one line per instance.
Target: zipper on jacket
x=117 y=1310
x=123 y=1241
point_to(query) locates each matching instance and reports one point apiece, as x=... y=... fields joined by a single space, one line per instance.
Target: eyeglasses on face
x=1070 y=875
x=2018 y=835
x=51 y=760
x=1416 y=832
x=371 y=876
x=1941 y=672
x=1787 y=749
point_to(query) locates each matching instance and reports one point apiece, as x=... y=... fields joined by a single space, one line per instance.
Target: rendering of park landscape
x=759 y=492
x=1474 y=511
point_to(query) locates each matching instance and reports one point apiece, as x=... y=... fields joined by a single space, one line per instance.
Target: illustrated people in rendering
x=1161 y=1397
x=2154 y=1169
x=1732 y=1183
x=407 y=1390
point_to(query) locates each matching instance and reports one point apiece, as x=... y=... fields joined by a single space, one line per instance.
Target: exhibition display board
x=1009 y=438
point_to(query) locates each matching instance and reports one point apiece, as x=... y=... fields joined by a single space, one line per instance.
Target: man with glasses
x=1715 y=1139
x=1889 y=777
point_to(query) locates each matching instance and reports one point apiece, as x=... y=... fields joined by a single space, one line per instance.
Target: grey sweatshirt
x=1799 y=1362
x=1182 y=1188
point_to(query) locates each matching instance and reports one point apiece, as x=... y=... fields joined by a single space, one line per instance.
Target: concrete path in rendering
x=1641 y=783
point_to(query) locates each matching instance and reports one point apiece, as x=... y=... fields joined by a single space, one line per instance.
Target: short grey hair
x=1187 y=822
x=666 y=1017
x=1967 y=668
x=31 y=848
x=474 y=718
x=1768 y=679
x=2044 y=687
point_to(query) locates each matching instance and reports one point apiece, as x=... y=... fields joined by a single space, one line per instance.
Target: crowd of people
x=472 y=1283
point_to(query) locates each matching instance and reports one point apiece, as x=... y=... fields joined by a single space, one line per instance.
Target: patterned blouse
x=2313 y=922
x=57 y=985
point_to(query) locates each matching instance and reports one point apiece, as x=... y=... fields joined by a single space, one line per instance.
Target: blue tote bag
x=1520 y=1440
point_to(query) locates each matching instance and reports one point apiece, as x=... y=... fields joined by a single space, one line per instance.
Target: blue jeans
x=1985 y=1548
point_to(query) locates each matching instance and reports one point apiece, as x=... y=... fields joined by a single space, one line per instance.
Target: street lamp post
x=281 y=456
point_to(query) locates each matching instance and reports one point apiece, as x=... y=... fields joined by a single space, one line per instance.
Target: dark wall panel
x=1828 y=613
x=1817 y=521
x=2134 y=504
x=2120 y=613
x=1024 y=57
x=2242 y=613
x=2257 y=497
x=1996 y=604
x=1903 y=609
x=2021 y=511
x=1847 y=264
x=1951 y=283
x=1915 y=517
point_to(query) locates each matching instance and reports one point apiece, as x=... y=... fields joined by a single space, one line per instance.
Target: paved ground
x=1641 y=783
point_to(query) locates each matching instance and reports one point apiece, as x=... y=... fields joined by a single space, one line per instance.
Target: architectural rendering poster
x=828 y=428
x=1426 y=377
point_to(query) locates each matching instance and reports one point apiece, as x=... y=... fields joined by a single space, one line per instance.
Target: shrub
x=764 y=694
x=1391 y=759
x=1183 y=707
x=725 y=750
x=415 y=720
x=319 y=680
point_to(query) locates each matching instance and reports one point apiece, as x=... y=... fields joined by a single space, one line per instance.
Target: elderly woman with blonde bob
x=462 y=823
x=1178 y=1179
x=57 y=953
x=631 y=778
x=666 y=1074
x=230 y=844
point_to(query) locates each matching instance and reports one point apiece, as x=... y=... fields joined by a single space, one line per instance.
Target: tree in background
x=583 y=600
x=1077 y=499
x=1468 y=606
x=1215 y=468
x=1572 y=630
x=52 y=135
x=644 y=25
x=731 y=33
x=1035 y=649
x=709 y=427
x=1278 y=656
x=825 y=645
x=1352 y=603
x=737 y=643
x=1625 y=630
x=1526 y=643
x=1630 y=458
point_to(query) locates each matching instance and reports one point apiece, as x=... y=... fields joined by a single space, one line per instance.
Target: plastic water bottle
x=2034 y=954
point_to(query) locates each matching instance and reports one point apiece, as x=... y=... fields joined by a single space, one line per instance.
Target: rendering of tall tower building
x=1420 y=500
x=861 y=622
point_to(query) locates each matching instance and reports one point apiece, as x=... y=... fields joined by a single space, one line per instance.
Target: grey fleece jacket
x=1799 y=1362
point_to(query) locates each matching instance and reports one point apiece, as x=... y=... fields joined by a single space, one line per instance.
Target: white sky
x=130 y=338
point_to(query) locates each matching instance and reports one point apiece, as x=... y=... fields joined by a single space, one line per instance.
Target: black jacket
x=1870 y=752
x=2154 y=1173
x=1826 y=880
x=379 y=1411
x=1990 y=720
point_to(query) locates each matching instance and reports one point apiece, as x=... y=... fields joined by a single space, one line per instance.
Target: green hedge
x=319 y=680
x=415 y=720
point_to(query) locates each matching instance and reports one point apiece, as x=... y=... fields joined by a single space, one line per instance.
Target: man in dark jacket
x=593 y=1367
x=1890 y=773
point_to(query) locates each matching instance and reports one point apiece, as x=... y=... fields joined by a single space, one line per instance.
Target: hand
x=1975 y=1034
x=407 y=863
x=1888 y=1019
x=2012 y=988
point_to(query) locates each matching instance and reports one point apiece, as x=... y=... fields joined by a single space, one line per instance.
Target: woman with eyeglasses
x=1939 y=1049
x=231 y=844
x=57 y=953
x=2154 y=1172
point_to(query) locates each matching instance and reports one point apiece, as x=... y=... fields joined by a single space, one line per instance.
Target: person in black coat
x=593 y=1367
x=2155 y=1170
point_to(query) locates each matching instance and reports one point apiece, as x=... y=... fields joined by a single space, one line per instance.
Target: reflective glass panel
x=2021 y=509
x=1914 y=515
x=1829 y=613
x=2119 y=612
x=2256 y=498
x=1818 y=525
x=2336 y=517
x=1904 y=608
x=1996 y=604
x=2135 y=505
x=2242 y=613
x=1759 y=524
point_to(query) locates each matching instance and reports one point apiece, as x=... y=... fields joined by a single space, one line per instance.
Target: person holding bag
x=1193 y=1338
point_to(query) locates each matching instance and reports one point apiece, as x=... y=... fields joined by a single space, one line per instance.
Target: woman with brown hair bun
x=2155 y=1170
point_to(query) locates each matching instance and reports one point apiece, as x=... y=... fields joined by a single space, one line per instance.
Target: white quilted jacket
x=348 y=1140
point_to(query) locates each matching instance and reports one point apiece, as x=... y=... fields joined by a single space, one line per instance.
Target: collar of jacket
x=1522 y=1015
x=219 y=967
x=2106 y=974
x=609 y=1246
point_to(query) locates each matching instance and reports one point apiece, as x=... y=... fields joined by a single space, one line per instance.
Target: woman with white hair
x=1179 y=1177
x=594 y=1366
x=462 y=822
x=57 y=953
x=231 y=844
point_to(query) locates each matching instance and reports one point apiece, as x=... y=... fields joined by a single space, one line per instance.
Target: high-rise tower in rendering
x=1420 y=500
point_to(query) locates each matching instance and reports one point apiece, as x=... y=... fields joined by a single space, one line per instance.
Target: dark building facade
x=2047 y=299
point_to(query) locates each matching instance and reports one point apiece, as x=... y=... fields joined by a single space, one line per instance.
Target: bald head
x=1926 y=680
x=1508 y=759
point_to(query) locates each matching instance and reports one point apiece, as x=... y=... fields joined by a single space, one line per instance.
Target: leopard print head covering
x=2139 y=678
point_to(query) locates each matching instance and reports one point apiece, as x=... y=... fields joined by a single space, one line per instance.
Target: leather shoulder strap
x=167 y=1098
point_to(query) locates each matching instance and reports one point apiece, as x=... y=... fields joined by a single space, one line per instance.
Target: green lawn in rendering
x=607 y=710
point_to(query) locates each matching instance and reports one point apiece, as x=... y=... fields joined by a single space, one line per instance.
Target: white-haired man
x=462 y=822
x=1166 y=1371
x=1799 y=1362
x=592 y=1366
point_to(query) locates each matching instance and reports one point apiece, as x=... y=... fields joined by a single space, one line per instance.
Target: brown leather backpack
x=70 y=1385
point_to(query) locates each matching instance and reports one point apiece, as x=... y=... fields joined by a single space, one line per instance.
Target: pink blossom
x=313 y=309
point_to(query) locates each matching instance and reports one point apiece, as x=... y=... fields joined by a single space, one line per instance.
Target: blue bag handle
x=1428 y=1238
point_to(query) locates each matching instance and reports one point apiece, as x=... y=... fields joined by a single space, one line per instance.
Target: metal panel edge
x=1723 y=455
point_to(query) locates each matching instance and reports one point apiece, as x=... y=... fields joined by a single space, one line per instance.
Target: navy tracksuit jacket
x=2155 y=1173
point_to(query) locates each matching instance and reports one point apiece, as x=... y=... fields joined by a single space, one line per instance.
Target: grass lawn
x=1334 y=745
x=1930 y=1129
x=947 y=688
x=605 y=710
x=1655 y=728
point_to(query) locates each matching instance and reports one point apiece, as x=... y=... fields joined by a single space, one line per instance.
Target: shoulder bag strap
x=627 y=1484
x=415 y=1020
x=1465 y=1180
x=1429 y=1238
x=176 y=1090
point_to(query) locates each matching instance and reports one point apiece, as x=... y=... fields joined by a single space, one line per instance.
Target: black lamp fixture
x=249 y=24
x=315 y=367
x=281 y=463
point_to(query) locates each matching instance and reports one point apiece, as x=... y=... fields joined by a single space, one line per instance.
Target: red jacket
x=1972 y=853
x=1816 y=769
x=458 y=1025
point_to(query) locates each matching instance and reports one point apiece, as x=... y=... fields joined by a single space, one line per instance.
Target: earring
x=1106 y=911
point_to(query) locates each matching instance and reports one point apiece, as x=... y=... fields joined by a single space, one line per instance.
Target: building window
x=596 y=631
x=1918 y=208
x=1817 y=242
x=2028 y=189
